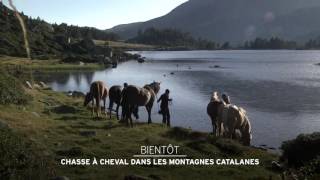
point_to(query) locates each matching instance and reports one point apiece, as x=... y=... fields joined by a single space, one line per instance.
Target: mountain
x=236 y=20
x=46 y=40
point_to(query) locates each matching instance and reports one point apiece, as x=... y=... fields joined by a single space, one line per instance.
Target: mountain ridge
x=232 y=20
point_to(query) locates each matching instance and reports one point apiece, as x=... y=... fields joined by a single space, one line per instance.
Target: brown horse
x=98 y=92
x=134 y=96
x=115 y=94
x=213 y=109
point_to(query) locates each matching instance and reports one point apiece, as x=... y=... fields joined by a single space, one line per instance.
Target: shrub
x=11 y=90
x=302 y=150
x=311 y=169
x=18 y=158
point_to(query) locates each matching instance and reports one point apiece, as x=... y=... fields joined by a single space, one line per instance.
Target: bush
x=311 y=169
x=18 y=158
x=302 y=150
x=11 y=90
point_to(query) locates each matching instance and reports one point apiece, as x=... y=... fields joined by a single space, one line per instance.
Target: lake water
x=280 y=90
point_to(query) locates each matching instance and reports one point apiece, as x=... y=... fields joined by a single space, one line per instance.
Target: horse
x=234 y=118
x=134 y=96
x=213 y=109
x=98 y=91
x=115 y=94
x=227 y=119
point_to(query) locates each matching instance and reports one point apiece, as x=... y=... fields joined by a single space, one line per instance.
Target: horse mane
x=153 y=86
x=244 y=112
x=246 y=127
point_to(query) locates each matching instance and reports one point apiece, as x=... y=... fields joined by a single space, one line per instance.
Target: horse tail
x=99 y=95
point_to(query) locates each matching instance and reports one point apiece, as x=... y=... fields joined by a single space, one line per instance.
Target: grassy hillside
x=57 y=126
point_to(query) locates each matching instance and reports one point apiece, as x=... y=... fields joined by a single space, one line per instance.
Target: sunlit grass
x=55 y=134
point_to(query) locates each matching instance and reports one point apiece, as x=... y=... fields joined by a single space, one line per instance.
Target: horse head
x=87 y=99
x=246 y=129
x=215 y=96
x=155 y=86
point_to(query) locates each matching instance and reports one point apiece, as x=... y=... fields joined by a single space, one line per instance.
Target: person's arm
x=159 y=99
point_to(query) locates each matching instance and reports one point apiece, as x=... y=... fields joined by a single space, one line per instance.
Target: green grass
x=115 y=44
x=56 y=134
x=53 y=65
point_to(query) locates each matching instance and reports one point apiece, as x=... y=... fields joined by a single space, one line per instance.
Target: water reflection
x=279 y=89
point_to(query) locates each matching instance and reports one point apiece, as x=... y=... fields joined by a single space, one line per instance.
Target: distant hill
x=46 y=39
x=171 y=39
x=237 y=20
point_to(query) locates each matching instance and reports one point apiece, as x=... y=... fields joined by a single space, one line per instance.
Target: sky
x=102 y=14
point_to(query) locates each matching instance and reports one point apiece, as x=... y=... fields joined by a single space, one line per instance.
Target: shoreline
x=58 y=126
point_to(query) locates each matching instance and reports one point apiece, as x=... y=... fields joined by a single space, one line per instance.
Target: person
x=123 y=103
x=164 y=107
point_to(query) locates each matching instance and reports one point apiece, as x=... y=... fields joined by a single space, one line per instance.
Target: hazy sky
x=102 y=14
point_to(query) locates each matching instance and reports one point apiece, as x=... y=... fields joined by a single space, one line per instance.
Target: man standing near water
x=164 y=107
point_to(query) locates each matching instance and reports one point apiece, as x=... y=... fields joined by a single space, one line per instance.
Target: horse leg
x=110 y=108
x=168 y=118
x=92 y=107
x=130 y=118
x=135 y=111
x=149 y=114
x=98 y=107
x=104 y=107
x=117 y=111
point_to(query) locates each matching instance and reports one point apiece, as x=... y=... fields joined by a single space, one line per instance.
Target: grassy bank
x=56 y=125
x=52 y=65
x=124 y=45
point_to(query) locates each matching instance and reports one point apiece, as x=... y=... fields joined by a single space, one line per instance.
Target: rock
x=217 y=66
x=276 y=166
x=60 y=178
x=172 y=73
x=135 y=177
x=28 y=84
x=37 y=86
x=43 y=85
x=88 y=133
x=81 y=63
x=77 y=94
x=36 y=114
x=3 y=125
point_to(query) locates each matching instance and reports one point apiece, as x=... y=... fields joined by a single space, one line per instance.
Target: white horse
x=214 y=108
x=234 y=118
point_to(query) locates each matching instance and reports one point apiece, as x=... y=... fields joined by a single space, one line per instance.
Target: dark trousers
x=165 y=116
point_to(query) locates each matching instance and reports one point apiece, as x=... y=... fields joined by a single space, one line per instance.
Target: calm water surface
x=279 y=89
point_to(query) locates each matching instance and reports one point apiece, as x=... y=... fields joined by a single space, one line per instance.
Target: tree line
x=45 y=38
x=171 y=38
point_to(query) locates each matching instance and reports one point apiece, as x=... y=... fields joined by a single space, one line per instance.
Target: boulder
x=36 y=114
x=29 y=85
x=43 y=85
